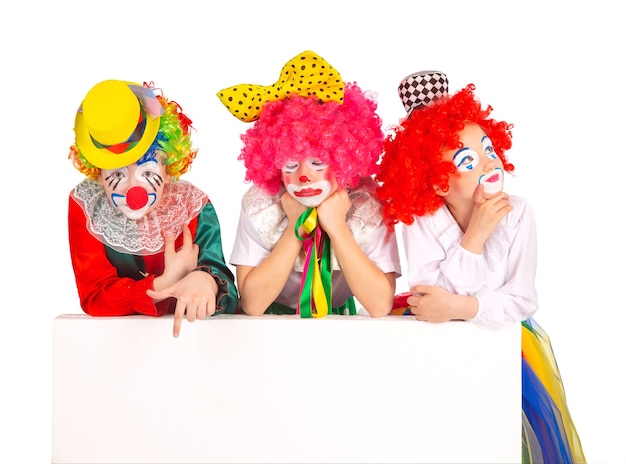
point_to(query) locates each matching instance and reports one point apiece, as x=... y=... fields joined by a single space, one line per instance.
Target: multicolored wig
x=348 y=136
x=172 y=144
x=412 y=163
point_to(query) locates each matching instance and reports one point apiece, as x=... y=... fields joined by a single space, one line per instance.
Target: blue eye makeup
x=488 y=147
x=465 y=159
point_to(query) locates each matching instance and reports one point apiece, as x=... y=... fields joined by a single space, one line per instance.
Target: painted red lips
x=307 y=192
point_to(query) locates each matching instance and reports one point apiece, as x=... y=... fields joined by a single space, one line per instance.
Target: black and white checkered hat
x=421 y=88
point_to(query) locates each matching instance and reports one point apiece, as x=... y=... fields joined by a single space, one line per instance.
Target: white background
x=554 y=71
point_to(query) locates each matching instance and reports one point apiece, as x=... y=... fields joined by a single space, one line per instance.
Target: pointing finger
x=178 y=318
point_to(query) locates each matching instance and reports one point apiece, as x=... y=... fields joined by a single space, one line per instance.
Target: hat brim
x=105 y=159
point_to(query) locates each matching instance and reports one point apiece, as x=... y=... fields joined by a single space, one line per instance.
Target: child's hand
x=430 y=303
x=195 y=296
x=332 y=212
x=486 y=215
x=435 y=304
x=293 y=208
x=179 y=263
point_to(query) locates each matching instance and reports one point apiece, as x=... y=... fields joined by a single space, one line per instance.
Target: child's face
x=309 y=181
x=476 y=163
x=136 y=189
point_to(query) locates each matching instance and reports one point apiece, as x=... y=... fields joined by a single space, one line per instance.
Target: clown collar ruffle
x=181 y=203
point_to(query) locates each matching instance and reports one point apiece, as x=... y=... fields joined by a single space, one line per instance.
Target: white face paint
x=135 y=190
x=478 y=163
x=493 y=182
x=310 y=195
x=134 y=214
x=307 y=182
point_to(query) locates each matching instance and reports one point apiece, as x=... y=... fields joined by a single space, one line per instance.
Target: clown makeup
x=477 y=163
x=493 y=182
x=137 y=189
x=308 y=181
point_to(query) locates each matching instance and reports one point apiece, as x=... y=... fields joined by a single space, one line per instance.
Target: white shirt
x=502 y=278
x=262 y=222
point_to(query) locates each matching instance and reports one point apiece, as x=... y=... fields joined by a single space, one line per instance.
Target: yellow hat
x=117 y=123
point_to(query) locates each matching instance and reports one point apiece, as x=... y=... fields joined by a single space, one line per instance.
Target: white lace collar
x=181 y=202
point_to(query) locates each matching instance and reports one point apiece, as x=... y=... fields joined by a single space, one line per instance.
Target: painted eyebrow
x=145 y=161
x=459 y=152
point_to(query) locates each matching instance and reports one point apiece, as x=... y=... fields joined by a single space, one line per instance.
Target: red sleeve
x=100 y=290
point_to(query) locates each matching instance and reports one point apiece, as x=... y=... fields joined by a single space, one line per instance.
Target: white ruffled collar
x=181 y=202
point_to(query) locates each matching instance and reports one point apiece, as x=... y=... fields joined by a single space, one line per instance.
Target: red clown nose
x=136 y=198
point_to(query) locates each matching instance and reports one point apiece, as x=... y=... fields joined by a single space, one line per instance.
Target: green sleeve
x=211 y=259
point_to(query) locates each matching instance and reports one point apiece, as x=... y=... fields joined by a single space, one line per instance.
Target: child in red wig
x=471 y=248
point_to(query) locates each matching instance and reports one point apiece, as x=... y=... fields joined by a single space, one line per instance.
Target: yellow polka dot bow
x=305 y=75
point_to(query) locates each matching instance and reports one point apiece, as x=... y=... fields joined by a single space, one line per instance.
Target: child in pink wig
x=311 y=233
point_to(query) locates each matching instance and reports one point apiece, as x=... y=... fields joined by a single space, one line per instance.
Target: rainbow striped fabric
x=548 y=431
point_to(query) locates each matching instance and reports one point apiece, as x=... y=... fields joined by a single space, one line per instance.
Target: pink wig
x=348 y=136
x=412 y=164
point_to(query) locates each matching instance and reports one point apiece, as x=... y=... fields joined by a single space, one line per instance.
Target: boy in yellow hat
x=141 y=240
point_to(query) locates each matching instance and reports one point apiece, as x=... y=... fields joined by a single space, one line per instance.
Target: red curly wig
x=348 y=136
x=412 y=164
